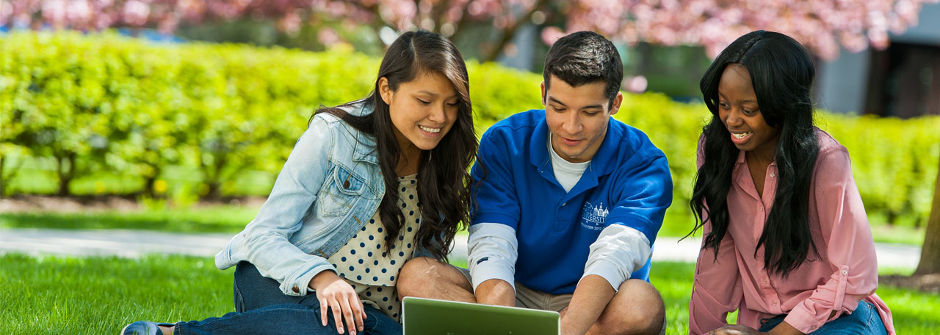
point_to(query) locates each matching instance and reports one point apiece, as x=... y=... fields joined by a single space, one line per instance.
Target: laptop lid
x=430 y=316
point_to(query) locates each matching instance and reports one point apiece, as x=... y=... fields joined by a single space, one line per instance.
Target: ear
x=542 y=85
x=615 y=105
x=384 y=91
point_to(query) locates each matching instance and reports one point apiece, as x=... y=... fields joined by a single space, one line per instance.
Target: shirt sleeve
x=493 y=250
x=850 y=249
x=492 y=244
x=266 y=238
x=493 y=186
x=644 y=191
x=716 y=288
x=618 y=251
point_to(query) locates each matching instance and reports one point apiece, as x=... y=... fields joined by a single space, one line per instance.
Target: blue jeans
x=864 y=320
x=261 y=308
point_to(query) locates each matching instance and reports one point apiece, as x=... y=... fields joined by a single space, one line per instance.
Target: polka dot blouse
x=365 y=263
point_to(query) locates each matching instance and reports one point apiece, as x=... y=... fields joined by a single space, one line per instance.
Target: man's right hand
x=336 y=294
x=496 y=292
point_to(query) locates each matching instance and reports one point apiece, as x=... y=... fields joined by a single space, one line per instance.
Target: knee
x=636 y=309
x=416 y=275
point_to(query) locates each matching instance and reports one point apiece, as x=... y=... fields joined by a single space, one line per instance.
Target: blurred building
x=902 y=80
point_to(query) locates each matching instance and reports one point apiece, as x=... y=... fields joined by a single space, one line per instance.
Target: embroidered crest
x=594 y=216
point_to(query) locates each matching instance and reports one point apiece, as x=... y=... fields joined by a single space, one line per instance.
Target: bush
x=105 y=103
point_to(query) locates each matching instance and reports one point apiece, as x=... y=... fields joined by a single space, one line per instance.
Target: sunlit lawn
x=52 y=295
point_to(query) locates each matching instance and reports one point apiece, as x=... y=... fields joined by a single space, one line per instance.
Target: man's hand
x=335 y=293
x=496 y=292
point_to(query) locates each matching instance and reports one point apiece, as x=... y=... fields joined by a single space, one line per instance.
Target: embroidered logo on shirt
x=594 y=216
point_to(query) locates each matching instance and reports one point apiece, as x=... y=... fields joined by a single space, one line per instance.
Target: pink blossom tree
x=823 y=25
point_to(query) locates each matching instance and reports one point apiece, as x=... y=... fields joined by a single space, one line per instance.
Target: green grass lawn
x=52 y=295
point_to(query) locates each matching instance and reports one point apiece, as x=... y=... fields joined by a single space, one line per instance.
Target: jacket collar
x=364 y=145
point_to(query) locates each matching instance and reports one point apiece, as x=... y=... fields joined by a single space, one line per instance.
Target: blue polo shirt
x=627 y=183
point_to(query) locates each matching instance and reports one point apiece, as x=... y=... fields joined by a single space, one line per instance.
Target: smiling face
x=738 y=110
x=422 y=110
x=577 y=116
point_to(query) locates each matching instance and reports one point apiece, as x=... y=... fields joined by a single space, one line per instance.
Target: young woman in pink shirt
x=786 y=238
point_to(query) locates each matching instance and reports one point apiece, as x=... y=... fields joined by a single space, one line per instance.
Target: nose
x=734 y=117
x=438 y=113
x=572 y=124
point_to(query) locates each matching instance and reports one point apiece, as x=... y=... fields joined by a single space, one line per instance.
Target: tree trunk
x=3 y=180
x=148 y=186
x=151 y=180
x=930 y=251
x=510 y=32
x=66 y=170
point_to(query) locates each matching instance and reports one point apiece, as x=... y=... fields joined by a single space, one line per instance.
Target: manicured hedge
x=94 y=103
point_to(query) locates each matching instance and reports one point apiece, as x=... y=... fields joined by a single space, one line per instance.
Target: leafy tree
x=823 y=25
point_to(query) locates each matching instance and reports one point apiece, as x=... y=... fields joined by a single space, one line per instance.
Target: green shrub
x=102 y=103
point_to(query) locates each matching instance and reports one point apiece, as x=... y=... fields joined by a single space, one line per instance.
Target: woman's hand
x=734 y=330
x=336 y=294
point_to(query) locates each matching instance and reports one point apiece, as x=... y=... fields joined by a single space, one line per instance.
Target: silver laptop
x=432 y=317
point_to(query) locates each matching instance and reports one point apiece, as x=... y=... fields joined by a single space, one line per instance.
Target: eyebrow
x=744 y=101
x=435 y=94
x=551 y=99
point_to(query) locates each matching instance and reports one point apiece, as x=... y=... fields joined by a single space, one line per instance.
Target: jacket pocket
x=342 y=191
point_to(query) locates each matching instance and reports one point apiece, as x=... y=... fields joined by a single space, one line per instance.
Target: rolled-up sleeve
x=849 y=248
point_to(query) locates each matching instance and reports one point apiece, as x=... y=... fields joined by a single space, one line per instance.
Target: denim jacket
x=329 y=187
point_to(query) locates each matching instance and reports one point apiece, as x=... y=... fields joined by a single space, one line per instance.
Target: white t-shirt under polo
x=567 y=173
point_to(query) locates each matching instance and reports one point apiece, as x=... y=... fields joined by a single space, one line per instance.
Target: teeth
x=740 y=135
x=430 y=130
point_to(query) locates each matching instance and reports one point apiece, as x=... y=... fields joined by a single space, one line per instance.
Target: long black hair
x=782 y=74
x=443 y=181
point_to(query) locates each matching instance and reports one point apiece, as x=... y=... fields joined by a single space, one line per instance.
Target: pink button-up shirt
x=821 y=289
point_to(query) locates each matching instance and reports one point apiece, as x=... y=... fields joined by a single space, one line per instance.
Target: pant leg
x=253 y=291
x=285 y=319
x=864 y=320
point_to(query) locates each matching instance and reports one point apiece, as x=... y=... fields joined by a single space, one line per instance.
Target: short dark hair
x=585 y=57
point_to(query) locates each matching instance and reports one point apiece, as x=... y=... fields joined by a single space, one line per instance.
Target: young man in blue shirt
x=568 y=204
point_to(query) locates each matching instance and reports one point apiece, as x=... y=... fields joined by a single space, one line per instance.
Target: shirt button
x=845 y=272
x=564 y=204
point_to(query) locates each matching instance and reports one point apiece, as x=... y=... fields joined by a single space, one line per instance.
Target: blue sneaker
x=144 y=328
